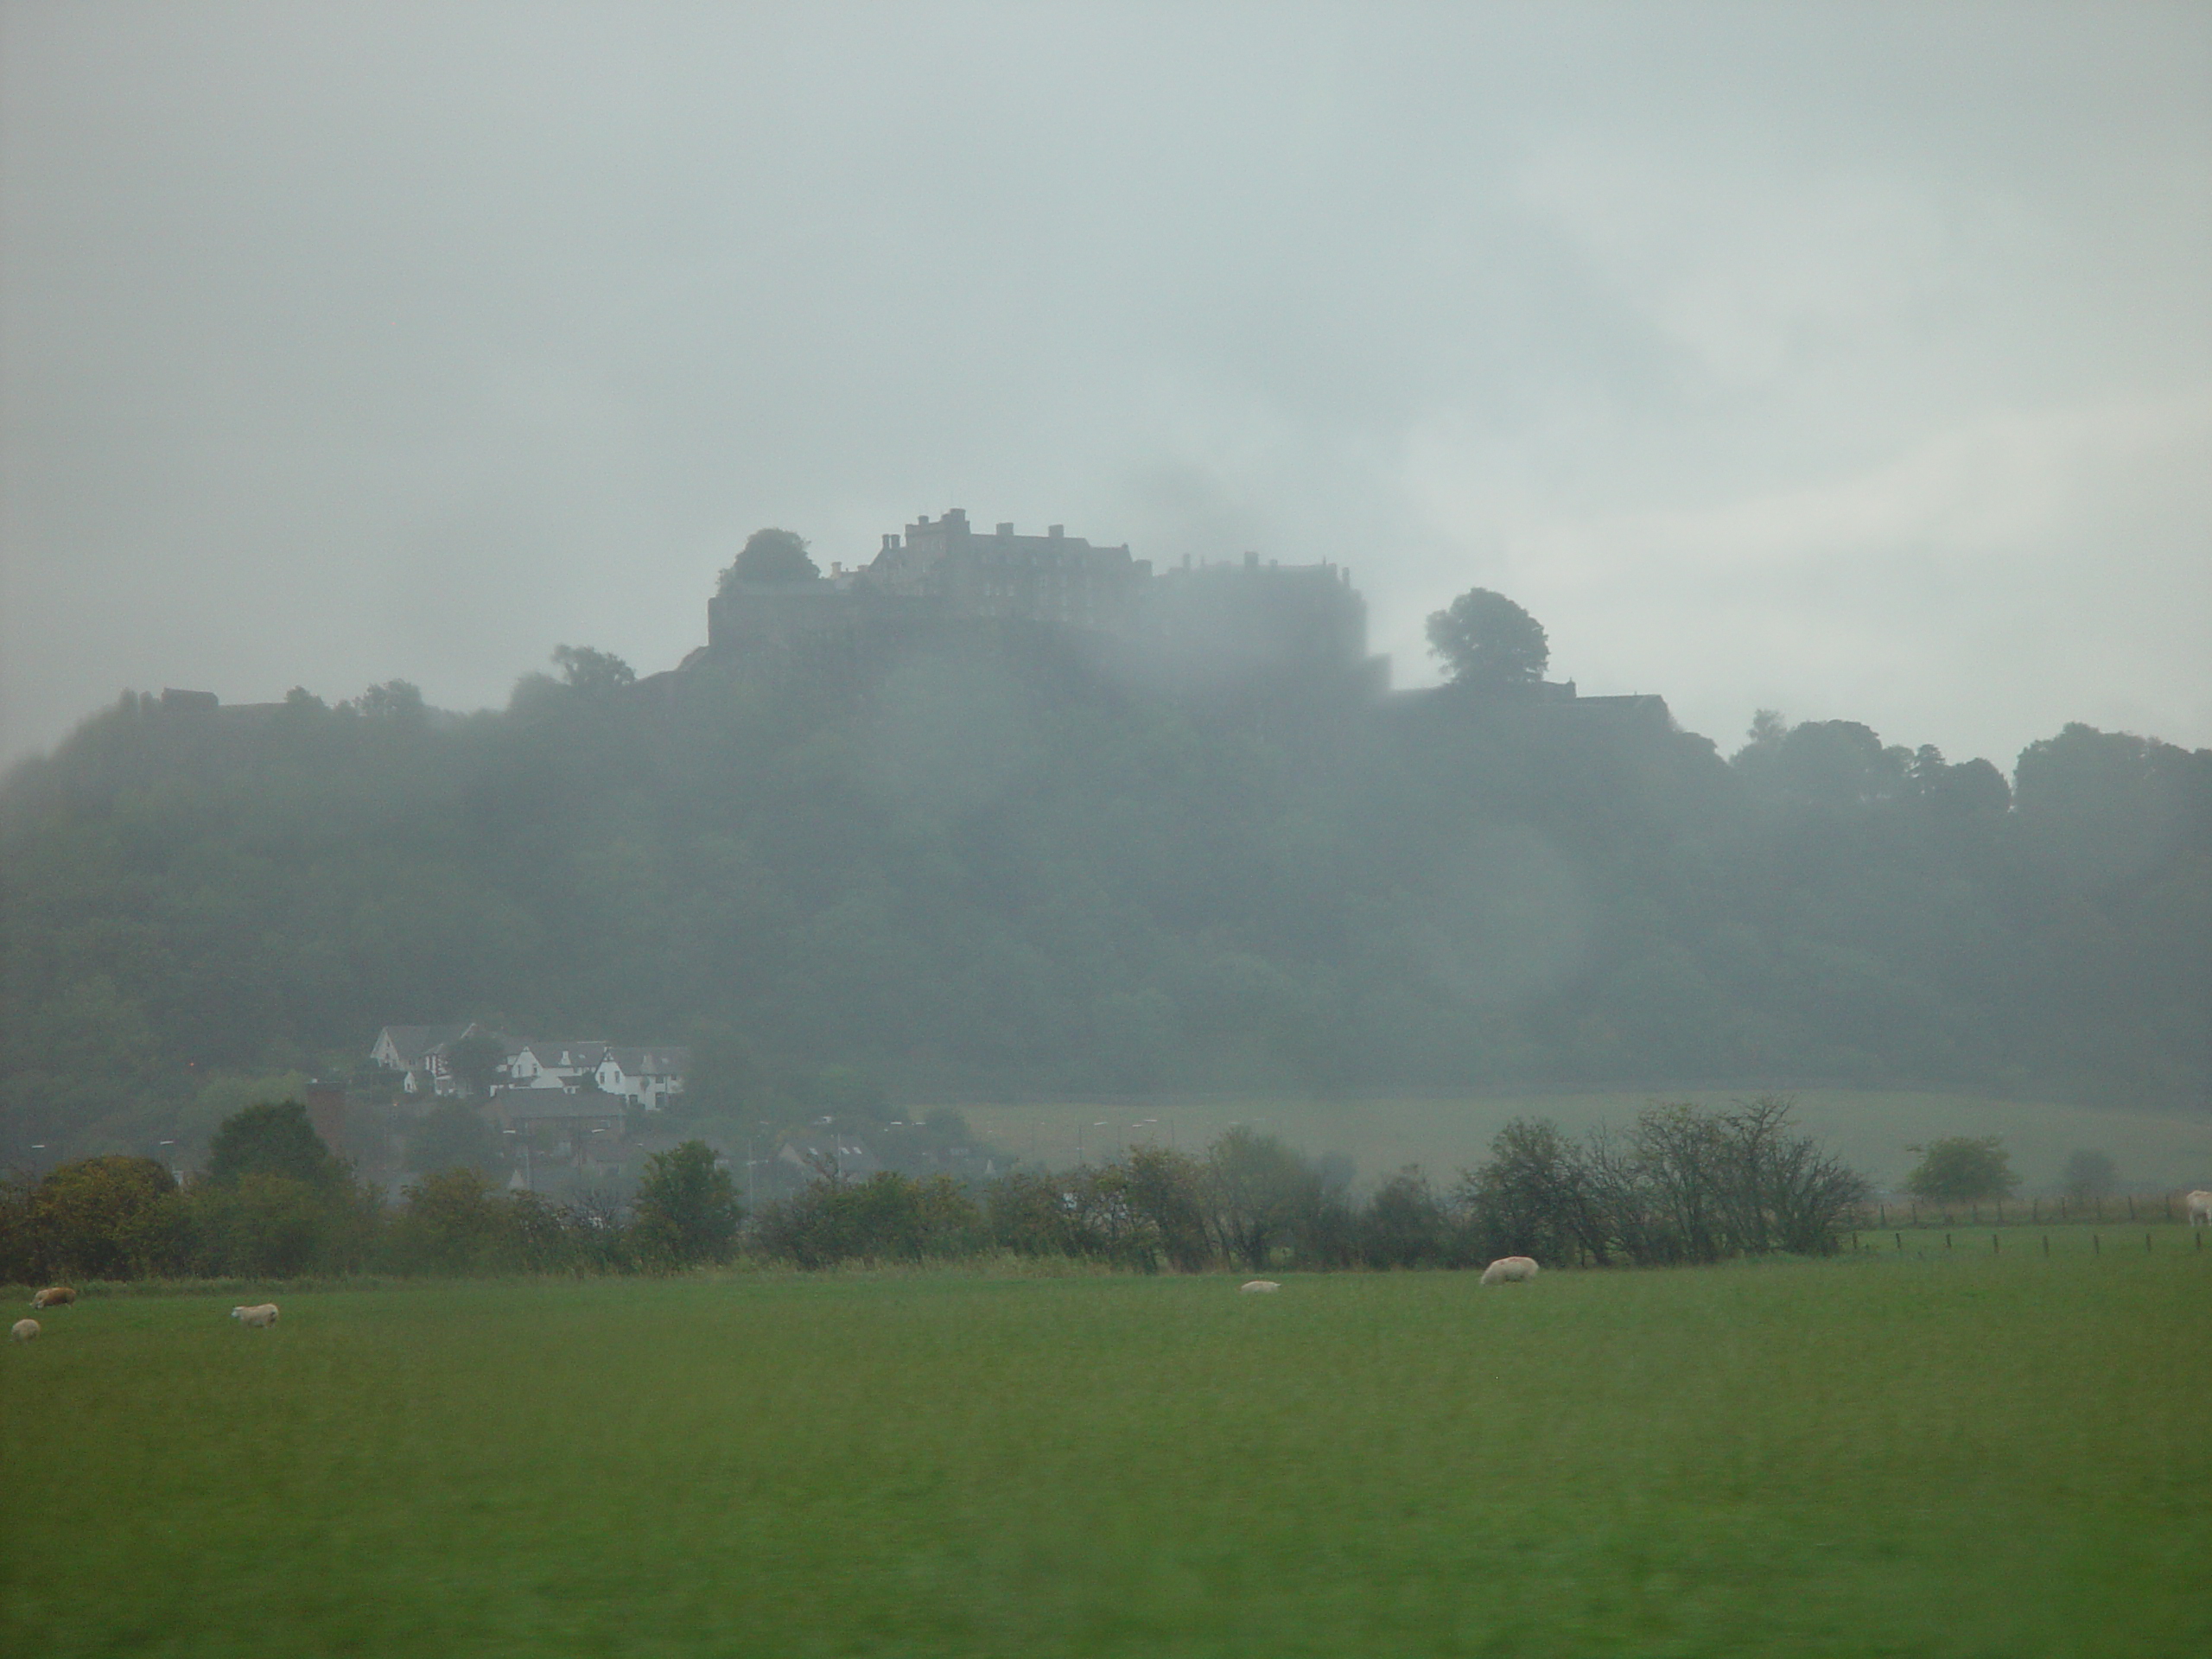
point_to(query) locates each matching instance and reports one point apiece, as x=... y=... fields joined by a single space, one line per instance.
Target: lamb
x=25 y=1330
x=1509 y=1270
x=259 y=1316
x=55 y=1296
x=2199 y=1208
x=1256 y=1286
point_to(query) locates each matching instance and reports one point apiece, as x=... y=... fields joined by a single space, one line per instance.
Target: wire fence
x=2169 y=1208
x=2033 y=1241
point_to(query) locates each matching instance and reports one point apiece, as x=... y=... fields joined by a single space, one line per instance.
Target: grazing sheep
x=1509 y=1270
x=261 y=1315
x=1253 y=1287
x=2199 y=1208
x=55 y=1296
x=25 y=1330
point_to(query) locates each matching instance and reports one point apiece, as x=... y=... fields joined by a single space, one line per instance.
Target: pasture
x=1927 y=1453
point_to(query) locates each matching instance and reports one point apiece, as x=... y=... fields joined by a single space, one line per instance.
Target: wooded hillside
x=990 y=866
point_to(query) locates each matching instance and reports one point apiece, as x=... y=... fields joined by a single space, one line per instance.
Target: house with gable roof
x=417 y=1052
x=536 y=1064
x=647 y=1076
x=643 y=1076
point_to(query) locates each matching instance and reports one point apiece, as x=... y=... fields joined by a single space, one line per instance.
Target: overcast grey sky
x=1854 y=361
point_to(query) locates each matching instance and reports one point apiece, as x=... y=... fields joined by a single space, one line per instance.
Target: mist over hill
x=989 y=863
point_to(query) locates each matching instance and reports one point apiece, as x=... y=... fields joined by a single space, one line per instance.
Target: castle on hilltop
x=1241 y=620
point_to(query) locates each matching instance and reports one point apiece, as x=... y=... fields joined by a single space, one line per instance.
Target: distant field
x=1870 y=1128
x=1947 y=1453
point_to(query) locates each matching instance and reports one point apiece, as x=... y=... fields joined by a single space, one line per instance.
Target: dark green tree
x=1829 y=763
x=105 y=1217
x=1971 y=790
x=474 y=1060
x=1405 y=1225
x=772 y=556
x=274 y=1138
x=596 y=672
x=453 y=1223
x=278 y=1224
x=1260 y=1193
x=1535 y=1195
x=2091 y=1175
x=1166 y=1189
x=1961 y=1169
x=1484 y=639
x=686 y=1208
x=454 y=1137
x=395 y=700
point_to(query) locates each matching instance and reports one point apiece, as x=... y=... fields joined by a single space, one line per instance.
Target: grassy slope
x=1870 y=1128
x=1964 y=1456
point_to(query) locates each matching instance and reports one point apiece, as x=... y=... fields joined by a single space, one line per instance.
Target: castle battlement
x=1237 y=620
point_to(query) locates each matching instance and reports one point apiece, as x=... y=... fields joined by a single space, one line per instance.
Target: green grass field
x=1869 y=1129
x=1944 y=1454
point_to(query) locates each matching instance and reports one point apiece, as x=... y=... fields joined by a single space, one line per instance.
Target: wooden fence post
x=1900 y=1238
x=1992 y=1243
x=2046 y=1243
x=2096 y=1245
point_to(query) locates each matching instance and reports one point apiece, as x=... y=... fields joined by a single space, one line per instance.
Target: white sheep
x=1257 y=1287
x=25 y=1330
x=2199 y=1208
x=55 y=1296
x=259 y=1316
x=1509 y=1270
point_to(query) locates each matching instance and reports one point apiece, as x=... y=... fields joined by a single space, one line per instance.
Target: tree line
x=275 y=1203
x=1683 y=1184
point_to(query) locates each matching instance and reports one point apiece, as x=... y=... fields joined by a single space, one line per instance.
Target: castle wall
x=1213 y=624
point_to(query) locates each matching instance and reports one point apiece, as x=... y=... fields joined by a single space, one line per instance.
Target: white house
x=642 y=1076
x=535 y=1064
x=647 y=1076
